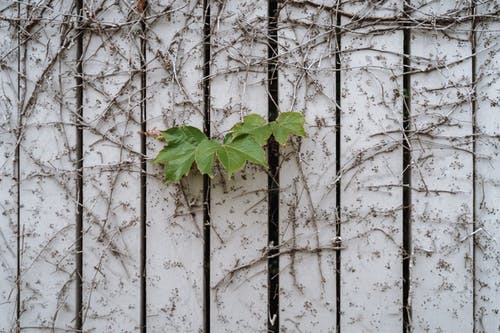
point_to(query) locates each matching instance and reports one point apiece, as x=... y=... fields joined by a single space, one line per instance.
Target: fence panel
x=487 y=186
x=174 y=246
x=371 y=168
x=238 y=206
x=47 y=189
x=442 y=171
x=8 y=166
x=111 y=168
x=306 y=69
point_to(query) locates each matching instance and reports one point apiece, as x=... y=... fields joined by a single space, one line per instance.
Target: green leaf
x=254 y=125
x=228 y=138
x=235 y=154
x=180 y=134
x=205 y=156
x=286 y=124
x=179 y=153
x=244 y=143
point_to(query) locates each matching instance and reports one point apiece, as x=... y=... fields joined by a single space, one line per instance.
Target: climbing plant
x=245 y=141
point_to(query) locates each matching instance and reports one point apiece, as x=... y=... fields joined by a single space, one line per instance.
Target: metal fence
x=384 y=219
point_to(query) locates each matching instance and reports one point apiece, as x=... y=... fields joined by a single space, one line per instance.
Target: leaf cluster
x=244 y=143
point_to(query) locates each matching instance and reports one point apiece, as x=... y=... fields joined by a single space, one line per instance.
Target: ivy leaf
x=179 y=153
x=235 y=154
x=286 y=124
x=244 y=143
x=228 y=138
x=205 y=156
x=181 y=134
x=254 y=125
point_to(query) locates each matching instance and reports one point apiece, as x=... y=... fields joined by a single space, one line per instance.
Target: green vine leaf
x=179 y=153
x=254 y=125
x=286 y=124
x=244 y=143
x=235 y=154
x=205 y=156
x=228 y=138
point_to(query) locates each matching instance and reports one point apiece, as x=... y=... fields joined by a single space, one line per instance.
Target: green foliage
x=286 y=124
x=255 y=126
x=179 y=154
x=244 y=143
x=235 y=154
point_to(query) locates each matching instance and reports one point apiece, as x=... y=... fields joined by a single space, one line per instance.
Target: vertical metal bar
x=142 y=5
x=18 y=171
x=79 y=167
x=474 y=174
x=273 y=178
x=406 y=175
x=338 y=109
x=206 y=179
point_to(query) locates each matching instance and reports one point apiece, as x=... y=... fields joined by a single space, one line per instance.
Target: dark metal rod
x=406 y=176
x=474 y=147
x=338 y=110
x=79 y=168
x=18 y=171
x=206 y=179
x=143 y=209
x=273 y=178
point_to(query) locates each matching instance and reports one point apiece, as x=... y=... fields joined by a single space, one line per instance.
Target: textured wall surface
x=385 y=218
